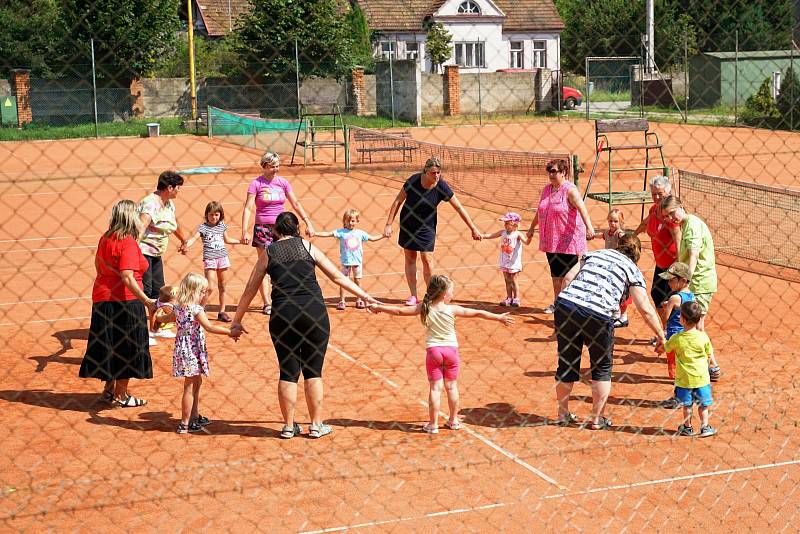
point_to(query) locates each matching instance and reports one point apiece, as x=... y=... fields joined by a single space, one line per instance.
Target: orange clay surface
x=70 y=462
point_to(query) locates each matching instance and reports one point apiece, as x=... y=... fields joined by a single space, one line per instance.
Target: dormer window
x=469 y=7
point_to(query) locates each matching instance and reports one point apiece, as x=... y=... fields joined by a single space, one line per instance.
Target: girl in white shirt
x=442 y=361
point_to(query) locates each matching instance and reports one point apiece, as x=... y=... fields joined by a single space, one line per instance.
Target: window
x=517 y=55
x=412 y=50
x=387 y=49
x=469 y=55
x=539 y=54
x=469 y=8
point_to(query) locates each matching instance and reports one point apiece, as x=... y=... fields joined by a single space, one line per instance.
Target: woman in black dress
x=420 y=197
x=299 y=325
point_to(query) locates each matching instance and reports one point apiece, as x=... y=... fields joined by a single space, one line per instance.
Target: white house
x=486 y=34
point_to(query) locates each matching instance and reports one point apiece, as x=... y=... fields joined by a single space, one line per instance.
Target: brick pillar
x=137 y=97
x=452 y=91
x=359 y=91
x=21 y=86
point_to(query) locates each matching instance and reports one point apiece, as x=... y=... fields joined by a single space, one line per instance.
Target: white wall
x=496 y=51
x=551 y=47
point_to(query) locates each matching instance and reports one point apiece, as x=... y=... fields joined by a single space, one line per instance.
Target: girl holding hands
x=511 y=240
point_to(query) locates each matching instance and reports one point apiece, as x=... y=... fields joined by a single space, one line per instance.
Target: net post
x=575 y=177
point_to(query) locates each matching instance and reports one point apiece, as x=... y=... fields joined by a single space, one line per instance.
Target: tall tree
x=438 y=43
x=266 y=38
x=31 y=37
x=362 y=37
x=129 y=37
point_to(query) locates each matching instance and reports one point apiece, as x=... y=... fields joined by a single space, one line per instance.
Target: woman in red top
x=118 y=347
x=664 y=237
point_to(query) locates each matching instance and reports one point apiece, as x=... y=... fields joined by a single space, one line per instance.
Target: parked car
x=571 y=97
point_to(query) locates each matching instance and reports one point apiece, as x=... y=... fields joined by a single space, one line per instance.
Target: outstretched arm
x=493 y=235
x=395 y=207
x=336 y=275
x=191 y=240
x=376 y=237
x=534 y=224
x=323 y=234
x=407 y=311
x=642 y=302
x=202 y=318
x=228 y=240
x=460 y=311
x=476 y=234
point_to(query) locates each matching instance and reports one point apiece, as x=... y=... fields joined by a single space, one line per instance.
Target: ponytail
x=436 y=288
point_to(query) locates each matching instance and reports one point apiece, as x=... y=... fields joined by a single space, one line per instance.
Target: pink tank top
x=561 y=229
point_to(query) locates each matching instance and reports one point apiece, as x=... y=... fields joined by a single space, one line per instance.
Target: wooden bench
x=369 y=142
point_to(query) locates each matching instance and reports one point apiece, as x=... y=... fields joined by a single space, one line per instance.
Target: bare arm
x=229 y=240
x=673 y=302
x=694 y=255
x=323 y=234
x=336 y=275
x=460 y=311
x=202 y=318
x=476 y=235
x=574 y=198
x=145 y=219
x=126 y=275
x=376 y=237
x=395 y=207
x=249 y=204
x=642 y=225
x=675 y=232
x=534 y=224
x=301 y=212
x=493 y=235
x=250 y=290
x=406 y=311
x=642 y=302
x=191 y=240
x=570 y=276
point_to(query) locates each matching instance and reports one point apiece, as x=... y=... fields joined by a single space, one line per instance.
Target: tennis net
x=512 y=179
x=753 y=225
x=245 y=129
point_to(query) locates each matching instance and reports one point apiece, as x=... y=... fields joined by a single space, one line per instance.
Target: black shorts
x=300 y=330
x=560 y=264
x=660 y=290
x=153 y=277
x=575 y=327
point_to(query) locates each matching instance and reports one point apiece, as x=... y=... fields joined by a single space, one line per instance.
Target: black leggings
x=300 y=331
x=153 y=277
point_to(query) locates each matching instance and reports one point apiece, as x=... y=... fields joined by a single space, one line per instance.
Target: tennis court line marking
x=486 y=441
x=407 y=518
x=673 y=479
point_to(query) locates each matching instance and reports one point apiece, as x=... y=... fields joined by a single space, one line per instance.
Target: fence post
x=480 y=100
x=21 y=85
x=391 y=81
x=94 y=92
x=297 y=77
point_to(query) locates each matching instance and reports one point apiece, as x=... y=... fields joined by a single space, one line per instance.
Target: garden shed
x=728 y=78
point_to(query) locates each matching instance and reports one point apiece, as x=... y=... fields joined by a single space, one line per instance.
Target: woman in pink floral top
x=564 y=224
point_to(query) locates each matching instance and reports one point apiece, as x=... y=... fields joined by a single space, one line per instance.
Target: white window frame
x=470 y=54
x=517 y=57
x=386 y=50
x=469 y=7
x=539 y=54
x=412 y=53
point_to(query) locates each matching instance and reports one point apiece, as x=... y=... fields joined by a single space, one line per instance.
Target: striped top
x=441 y=330
x=213 y=240
x=604 y=280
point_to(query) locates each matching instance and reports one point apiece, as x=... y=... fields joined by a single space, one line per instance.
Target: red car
x=570 y=97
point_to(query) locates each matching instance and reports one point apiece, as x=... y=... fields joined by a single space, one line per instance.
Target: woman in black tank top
x=299 y=325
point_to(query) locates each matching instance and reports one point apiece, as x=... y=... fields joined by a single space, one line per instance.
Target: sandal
x=202 y=420
x=341 y=305
x=453 y=425
x=191 y=427
x=130 y=402
x=108 y=392
x=361 y=304
x=430 y=428
x=223 y=317
x=288 y=432
x=604 y=424
x=566 y=420
x=319 y=431
x=267 y=309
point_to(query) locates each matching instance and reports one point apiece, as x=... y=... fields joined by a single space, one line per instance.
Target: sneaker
x=430 y=428
x=151 y=341
x=341 y=305
x=506 y=302
x=714 y=373
x=550 y=309
x=707 y=431
x=453 y=425
x=191 y=427
x=515 y=303
x=360 y=304
x=167 y=334
x=202 y=421
x=685 y=430
x=670 y=403
x=319 y=431
x=411 y=301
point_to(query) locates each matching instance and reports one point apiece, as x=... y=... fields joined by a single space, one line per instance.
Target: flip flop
x=130 y=402
x=604 y=424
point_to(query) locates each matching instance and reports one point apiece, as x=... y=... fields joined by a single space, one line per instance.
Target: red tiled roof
x=408 y=15
x=219 y=16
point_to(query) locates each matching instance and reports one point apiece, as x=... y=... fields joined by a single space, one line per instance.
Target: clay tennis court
x=70 y=462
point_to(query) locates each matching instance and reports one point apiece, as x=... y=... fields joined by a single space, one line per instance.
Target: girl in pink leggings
x=441 y=358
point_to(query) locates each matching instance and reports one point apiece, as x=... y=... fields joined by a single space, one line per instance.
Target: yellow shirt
x=441 y=328
x=692 y=349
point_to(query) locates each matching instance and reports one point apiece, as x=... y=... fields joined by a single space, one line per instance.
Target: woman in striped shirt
x=584 y=315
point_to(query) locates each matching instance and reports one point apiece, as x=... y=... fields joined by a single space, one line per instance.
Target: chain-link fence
x=506 y=345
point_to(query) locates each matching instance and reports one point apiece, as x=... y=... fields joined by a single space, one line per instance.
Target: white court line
x=50 y=321
x=47 y=249
x=46 y=238
x=673 y=479
x=407 y=518
x=508 y=454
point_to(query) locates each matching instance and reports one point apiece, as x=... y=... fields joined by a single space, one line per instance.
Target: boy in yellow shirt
x=692 y=349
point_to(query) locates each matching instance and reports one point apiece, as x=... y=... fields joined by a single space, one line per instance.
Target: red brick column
x=359 y=91
x=137 y=97
x=21 y=85
x=452 y=91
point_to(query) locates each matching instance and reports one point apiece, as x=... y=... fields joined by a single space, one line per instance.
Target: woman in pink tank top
x=564 y=224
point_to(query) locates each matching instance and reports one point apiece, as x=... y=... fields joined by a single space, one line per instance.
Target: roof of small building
x=754 y=54
x=409 y=15
x=220 y=16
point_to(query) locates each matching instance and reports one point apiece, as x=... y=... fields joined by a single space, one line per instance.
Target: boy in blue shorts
x=692 y=349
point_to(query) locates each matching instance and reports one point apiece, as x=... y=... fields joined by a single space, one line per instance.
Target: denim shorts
x=689 y=396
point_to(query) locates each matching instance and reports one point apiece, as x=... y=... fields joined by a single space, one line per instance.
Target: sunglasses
x=550 y=169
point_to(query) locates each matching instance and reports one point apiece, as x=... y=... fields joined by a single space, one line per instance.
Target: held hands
x=184 y=248
x=237 y=329
x=476 y=235
x=245 y=240
x=150 y=304
x=309 y=230
x=374 y=307
x=387 y=231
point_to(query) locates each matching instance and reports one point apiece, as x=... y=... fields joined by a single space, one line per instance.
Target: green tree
x=31 y=36
x=216 y=57
x=788 y=101
x=266 y=38
x=437 y=44
x=362 y=42
x=129 y=37
x=760 y=109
